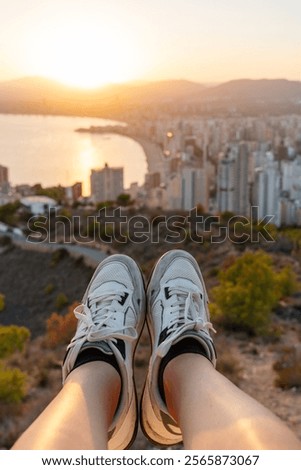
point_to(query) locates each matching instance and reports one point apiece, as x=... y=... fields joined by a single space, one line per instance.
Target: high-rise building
x=233 y=189
x=187 y=189
x=266 y=189
x=194 y=188
x=152 y=180
x=291 y=191
x=288 y=211
x=291 y=178
x=74 y=192
x=106 y=184
x=4 y=183
x=174 y=191
x=241 y=181
x=225 y=183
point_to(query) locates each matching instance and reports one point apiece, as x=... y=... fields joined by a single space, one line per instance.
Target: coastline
x=153 y=152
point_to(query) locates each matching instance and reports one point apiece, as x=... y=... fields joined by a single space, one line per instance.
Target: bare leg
x=80 y=415
x=214 y=414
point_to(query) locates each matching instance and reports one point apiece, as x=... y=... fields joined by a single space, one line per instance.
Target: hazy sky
x=91 y=42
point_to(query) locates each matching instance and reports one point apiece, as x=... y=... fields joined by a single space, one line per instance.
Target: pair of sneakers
x=111 y=319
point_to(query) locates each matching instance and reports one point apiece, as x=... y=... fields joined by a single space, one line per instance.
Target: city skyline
x=222 y=165
x=90 y=44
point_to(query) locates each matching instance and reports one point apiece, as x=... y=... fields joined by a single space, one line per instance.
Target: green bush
x=248 y=291
x=49 y=288
x=12 y=385
x=2 y=302
x=8 y=212
x=58 y=255
x=61 y=301
x=12 y=338
x=124 y=200
x=286 y=282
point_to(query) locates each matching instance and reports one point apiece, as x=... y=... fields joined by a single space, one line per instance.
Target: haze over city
x=93 y=43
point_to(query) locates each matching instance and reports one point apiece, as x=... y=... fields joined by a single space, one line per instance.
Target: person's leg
x=80 y=415
x=178 y=320
x=215 y=414
x=185 y=398
x=97 y=407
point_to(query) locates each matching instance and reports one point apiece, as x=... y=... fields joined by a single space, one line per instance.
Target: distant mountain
x=268 y=90
x=35 y=94
x=42 y=96
x=31 y=88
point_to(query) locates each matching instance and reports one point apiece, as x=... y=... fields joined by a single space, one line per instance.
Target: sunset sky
x=94 y=42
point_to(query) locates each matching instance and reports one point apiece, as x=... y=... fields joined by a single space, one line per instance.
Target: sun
x=87 y=66
x=87 y=63
x=87 y=56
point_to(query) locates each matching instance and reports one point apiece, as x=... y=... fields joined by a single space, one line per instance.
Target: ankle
x=178 y=372
x=187 y=346
x=181 y=375
x=93 y=374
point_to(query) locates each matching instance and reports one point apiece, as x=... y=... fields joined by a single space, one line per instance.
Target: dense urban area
x=221 y=164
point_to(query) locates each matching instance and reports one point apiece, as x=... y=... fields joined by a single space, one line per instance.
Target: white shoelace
x=185 y=312
x=100 y=321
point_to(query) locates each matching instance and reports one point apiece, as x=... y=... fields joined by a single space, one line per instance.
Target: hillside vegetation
x=255 y=307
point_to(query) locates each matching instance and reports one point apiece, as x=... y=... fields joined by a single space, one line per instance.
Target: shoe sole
x=152 y=427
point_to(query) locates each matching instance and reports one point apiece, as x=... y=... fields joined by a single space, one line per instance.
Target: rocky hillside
x=34 y=282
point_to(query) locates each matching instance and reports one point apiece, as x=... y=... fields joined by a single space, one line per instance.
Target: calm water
x=46 y=150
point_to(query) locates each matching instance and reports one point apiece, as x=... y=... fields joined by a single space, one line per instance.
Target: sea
x=47 y=150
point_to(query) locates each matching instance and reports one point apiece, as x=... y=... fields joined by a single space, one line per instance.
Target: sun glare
x=87 y=57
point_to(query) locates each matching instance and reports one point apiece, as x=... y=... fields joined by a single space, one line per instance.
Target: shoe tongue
x=108 y=287
x=101 y=345
x=185 y=284
x=104 y=347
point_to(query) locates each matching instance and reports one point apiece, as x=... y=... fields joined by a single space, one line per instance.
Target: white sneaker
x=111 y=318
x=177 y=309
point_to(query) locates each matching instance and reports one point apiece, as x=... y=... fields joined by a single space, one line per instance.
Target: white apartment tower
x=225 y=183
x=194 y=188
x=233 y=189
x=266 y=190
x=291 y=191
x=106 y=184
x=241 y=182
x=291 y=179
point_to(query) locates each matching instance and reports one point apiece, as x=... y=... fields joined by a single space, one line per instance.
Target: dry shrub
x=10 y=410
x=288 y=367
x=61 y=328
x=10 y=419
x=40 y=371
x=230 y=367
x=228 y=363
